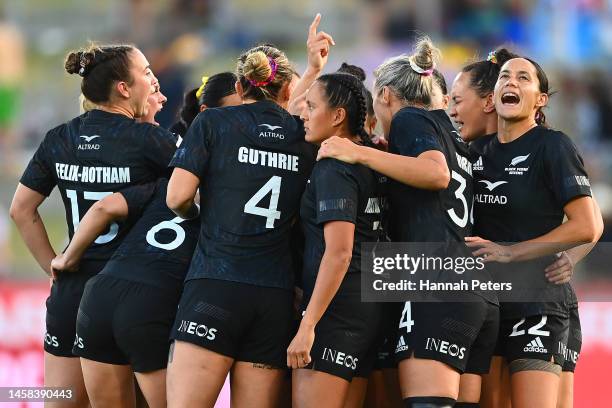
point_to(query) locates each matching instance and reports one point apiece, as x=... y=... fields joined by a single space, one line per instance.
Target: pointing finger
x=312 y=30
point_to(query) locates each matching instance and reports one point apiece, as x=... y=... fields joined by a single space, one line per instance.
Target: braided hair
x=100 y=66
x=347 y=91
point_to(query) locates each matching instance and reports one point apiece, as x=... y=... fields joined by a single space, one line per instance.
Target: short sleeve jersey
x=458 y=198
x=521 y=189
x=339 y=191
x=419 y=215
x=252 y=163
x=92 y=156
x=158 y=248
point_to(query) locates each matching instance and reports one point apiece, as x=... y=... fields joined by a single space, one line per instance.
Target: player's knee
x=429 y=402
x=530 y=364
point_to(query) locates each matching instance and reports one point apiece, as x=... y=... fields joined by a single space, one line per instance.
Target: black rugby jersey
x=158 y=248
x=253 y=163
x=339 y=191
x=458 y=198
x=520 y=189
x=419 y=215
x=95 y=155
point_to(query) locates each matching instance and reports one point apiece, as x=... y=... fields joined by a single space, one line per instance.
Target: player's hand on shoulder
x=339 y=148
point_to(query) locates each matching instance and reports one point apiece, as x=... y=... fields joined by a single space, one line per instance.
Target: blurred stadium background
x=185 y=39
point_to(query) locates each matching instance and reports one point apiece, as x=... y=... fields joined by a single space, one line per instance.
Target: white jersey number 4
x=406 y=320
x=272 y=186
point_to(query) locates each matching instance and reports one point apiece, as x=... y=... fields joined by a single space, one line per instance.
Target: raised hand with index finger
x=318 y=44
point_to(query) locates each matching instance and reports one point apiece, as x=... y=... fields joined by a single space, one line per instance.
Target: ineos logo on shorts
x=340 y=358
x=51 y=340
x=568 y=354
x=199 y=330
x=78 y=341
x=444 y=347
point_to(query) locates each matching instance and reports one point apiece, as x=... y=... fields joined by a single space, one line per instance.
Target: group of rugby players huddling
x=187 y=248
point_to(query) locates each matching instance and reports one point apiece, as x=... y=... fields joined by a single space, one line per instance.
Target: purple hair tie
x=270 y=78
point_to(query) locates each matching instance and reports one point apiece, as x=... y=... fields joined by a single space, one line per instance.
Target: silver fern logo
x=515 y=168
x=519 y=159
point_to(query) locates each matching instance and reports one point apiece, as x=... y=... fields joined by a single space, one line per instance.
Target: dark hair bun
x=73 y=61
x=353 y=70
x=79 y=62
x=503 y=55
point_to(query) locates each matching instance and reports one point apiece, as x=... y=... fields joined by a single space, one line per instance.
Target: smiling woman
x=538 y=176
x=473 y=109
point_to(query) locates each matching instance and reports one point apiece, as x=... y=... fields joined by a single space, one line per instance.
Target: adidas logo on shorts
x=401 y=345
x=536 y=346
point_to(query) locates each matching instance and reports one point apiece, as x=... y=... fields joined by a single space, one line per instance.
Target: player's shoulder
x=62 y=129
x=479 y=144
x=552 y=137
x=412 y=114
x=414 y=123
x=332 y=168
x=441 y=117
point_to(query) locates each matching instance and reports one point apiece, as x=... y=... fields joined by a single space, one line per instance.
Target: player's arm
x=24 y=212
x=579 y=252
x=97 y=220
x=562 y=269
x=182 y=189
x=581 y=228
x=318 y=45
x=427 y=171
x=339 y=236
